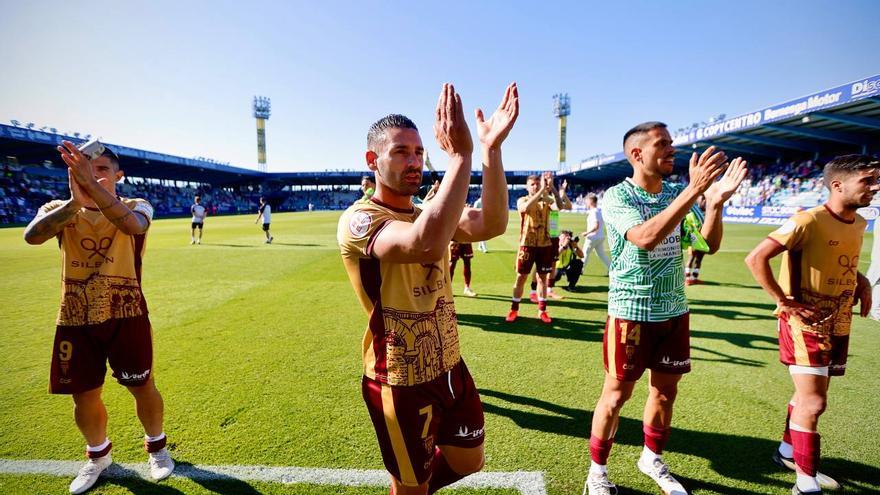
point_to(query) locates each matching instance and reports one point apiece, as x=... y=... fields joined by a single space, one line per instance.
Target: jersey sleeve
x=358 y=228
x=793 y=234
x=619 y=213
x=48 y=207
x=141 y=206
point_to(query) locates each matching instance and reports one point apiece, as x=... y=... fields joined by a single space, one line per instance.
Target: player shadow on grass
x=214 y=482
x=568 y=302
x=529 y=324
x=725 y=309
x=133 y=482
x=733 y=456
x=712 y=283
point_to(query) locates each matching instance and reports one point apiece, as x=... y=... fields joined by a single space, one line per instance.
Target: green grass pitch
x=258 y=358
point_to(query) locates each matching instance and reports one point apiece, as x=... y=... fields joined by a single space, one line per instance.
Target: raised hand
x=492 y=132
x=706 y=168
x=450 y=126
x=807 y=313
x=722 y=190
x=78 y=165
x=77 y=193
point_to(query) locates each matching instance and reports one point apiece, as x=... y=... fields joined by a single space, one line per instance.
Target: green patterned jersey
x=644 y=285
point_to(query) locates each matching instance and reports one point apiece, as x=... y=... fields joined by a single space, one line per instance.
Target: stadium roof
x=844 y=119
x=31 y=147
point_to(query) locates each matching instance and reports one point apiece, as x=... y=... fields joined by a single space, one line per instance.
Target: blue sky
x=179 y=77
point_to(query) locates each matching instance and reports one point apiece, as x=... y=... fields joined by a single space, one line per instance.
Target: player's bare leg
x=150 y=411
x=543 y=284
x=518 y=286
x=150 y=408
x=192 y=237
x=657 y=420
x=810 y=400
x=606 y=416
x=91 y=419
x=551 y=281
x=466 y=272
x=91 y=416
x=450 y=465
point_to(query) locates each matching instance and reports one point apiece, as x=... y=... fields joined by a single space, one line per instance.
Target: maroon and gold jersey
x=820 y=266
x=100 y=266
x=535 y=223
x=412 y=334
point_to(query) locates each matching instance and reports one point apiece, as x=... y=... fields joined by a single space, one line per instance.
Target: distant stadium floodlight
x=262 y=107
x=15 y=122
x=76 y=135
x=54 y=130
x=87 y=137
x=30 y=125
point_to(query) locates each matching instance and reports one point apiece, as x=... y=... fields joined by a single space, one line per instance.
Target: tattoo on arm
x=49 y=225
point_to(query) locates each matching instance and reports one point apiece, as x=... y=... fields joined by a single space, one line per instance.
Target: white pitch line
x=527 y=482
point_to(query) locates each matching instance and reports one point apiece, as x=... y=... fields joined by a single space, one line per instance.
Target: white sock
x=786 y=450
x=99 y=448
x=807 y=483
x=158 y=437
x=687 y=272
x=597 y=468
x=516 y=299
x=648 y=456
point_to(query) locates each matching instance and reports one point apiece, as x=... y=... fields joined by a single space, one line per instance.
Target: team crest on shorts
x=360 y=223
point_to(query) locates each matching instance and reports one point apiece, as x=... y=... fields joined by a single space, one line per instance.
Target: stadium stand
x=786 y=145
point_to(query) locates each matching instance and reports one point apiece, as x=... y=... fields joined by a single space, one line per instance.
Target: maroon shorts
x=532 y=255
x=410 y=421
x=80 y=354
x=814 y=350
x=630 y=347
x=555 y=246
x=461 y=250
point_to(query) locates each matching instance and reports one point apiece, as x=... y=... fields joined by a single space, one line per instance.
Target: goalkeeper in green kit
x=692 y=239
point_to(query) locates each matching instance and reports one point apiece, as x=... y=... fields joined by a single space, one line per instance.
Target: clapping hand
x=492 y=132
x=450 y=127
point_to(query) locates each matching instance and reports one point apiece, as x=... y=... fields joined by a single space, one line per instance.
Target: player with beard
x=421 y=398
x=647 y=326
x=818 y=285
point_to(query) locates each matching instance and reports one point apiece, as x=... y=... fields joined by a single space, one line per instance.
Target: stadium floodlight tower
x=262 y=109
x=561 y=109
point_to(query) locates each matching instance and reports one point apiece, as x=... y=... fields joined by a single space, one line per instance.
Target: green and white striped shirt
x=644 y=285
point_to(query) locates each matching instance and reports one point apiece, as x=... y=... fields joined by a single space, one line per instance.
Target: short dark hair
x=847 y=164
x=366 y=177
x=109 y=153
x=642 y=128
x=376 y=134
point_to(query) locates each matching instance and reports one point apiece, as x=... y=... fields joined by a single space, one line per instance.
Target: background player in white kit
x=266 y=215
x=199 y=212
x=594 y=236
